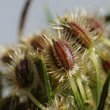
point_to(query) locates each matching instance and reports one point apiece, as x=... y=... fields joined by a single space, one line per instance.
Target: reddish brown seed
x=62 y=54
x=78 y=32
x=106 y=65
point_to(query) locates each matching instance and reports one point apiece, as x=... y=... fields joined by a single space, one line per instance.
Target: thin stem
x=47 y=81
x=81 y=88
x=13 y=102
x=44 y=76
x=23 y=18
x=35 y=101
x=76 y=92
x=94 y=59
x=1 y=85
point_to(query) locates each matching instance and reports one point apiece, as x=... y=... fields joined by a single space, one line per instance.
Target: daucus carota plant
x=85 y=31
x=63 y=68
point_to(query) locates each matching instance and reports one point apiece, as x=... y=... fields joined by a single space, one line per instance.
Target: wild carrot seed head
x=21 y=72
x=61 y=56
x=74 y=24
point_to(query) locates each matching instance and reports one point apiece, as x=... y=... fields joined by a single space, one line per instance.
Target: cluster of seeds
x=60 y=63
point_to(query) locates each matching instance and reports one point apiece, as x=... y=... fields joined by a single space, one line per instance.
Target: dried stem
x=23 y=18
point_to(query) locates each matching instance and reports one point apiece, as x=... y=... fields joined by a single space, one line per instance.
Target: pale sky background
x=10 y=11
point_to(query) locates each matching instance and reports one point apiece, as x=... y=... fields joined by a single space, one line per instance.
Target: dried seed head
x=37 y=41
x=61 y=57
x=6 y=56
x=62 y=54
x=75 y=25
x=21 y=71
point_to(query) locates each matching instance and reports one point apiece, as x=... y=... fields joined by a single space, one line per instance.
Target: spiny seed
x=6 y=57
x=95 y=25
x=78 y=32
x=39 y=42
x=35 y=42
x=23 y=76
x=62 y=54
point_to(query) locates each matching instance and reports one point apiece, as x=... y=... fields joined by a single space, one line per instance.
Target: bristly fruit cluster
x=65 y=68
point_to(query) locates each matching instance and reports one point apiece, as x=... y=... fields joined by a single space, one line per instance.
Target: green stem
x=81 y=88
x=47 y=81
x=42 y=70
x=35 y=101
x=76 y=92
x=94 y=59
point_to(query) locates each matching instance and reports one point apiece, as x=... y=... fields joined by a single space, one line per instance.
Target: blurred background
x=10 y=12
